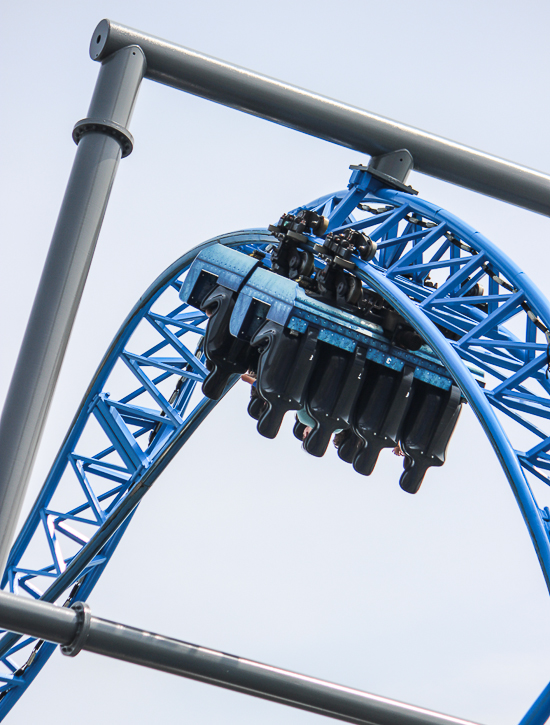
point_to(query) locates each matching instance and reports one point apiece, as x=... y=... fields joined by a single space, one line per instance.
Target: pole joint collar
x=83 y=621
x=109 y=128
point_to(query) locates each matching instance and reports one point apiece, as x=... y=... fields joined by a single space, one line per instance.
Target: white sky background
x=248 y=545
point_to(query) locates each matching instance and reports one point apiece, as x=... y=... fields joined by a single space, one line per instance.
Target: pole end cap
x=99 y=39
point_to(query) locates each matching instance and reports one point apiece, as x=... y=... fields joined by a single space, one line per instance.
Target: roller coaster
x=370 y=314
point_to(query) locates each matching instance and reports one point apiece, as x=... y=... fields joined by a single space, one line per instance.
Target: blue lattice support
x=417 y=243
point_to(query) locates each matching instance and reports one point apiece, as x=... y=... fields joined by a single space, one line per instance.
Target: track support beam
x=325 y=118
x=78 y=630
x=102 y=139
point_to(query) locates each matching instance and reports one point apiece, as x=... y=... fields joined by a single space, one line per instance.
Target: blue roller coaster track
x=472 y=305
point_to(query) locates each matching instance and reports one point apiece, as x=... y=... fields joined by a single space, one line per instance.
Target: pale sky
x=248 y=545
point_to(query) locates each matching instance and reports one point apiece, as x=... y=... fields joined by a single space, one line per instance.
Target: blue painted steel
x=111 y=468
x=427 y=266
x=290 y=307
x=539 y=712
x=418 y=240
x=287 y=299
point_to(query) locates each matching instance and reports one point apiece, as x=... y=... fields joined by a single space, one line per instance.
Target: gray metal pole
x=102 y=139
x=325 y=118
x=78 y=630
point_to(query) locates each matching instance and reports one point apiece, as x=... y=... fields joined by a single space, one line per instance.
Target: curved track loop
x=427 y=266
x=129 y=427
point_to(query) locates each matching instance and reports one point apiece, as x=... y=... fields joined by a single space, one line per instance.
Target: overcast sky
x=247 y=545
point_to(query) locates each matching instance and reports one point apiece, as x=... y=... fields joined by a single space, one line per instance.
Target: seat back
x=285 y=364
x=334 y=387
x=380 y=412
x=426 y=432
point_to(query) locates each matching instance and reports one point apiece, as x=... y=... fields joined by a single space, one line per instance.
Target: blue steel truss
x=145 y=401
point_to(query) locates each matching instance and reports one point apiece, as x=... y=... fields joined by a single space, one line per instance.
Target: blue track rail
x=145 y=402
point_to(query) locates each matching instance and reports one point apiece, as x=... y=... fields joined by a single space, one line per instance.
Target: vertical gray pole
x=102 y=139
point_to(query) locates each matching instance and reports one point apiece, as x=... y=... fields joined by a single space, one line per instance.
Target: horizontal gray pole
x=60 y=625
x=325 y=118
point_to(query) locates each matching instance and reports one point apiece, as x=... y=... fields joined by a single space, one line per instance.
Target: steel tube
x=62 y=283
x=325 y=118
x=59 y=625
x=37 y=619
x=539 y=712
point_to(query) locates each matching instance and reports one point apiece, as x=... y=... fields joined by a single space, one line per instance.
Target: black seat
x=225 y=354
x=257 y=404
x=285 y=364
x=333 y=389
x=299 y=429
x=427 y=429
x=349 y=444
x=380 y=413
